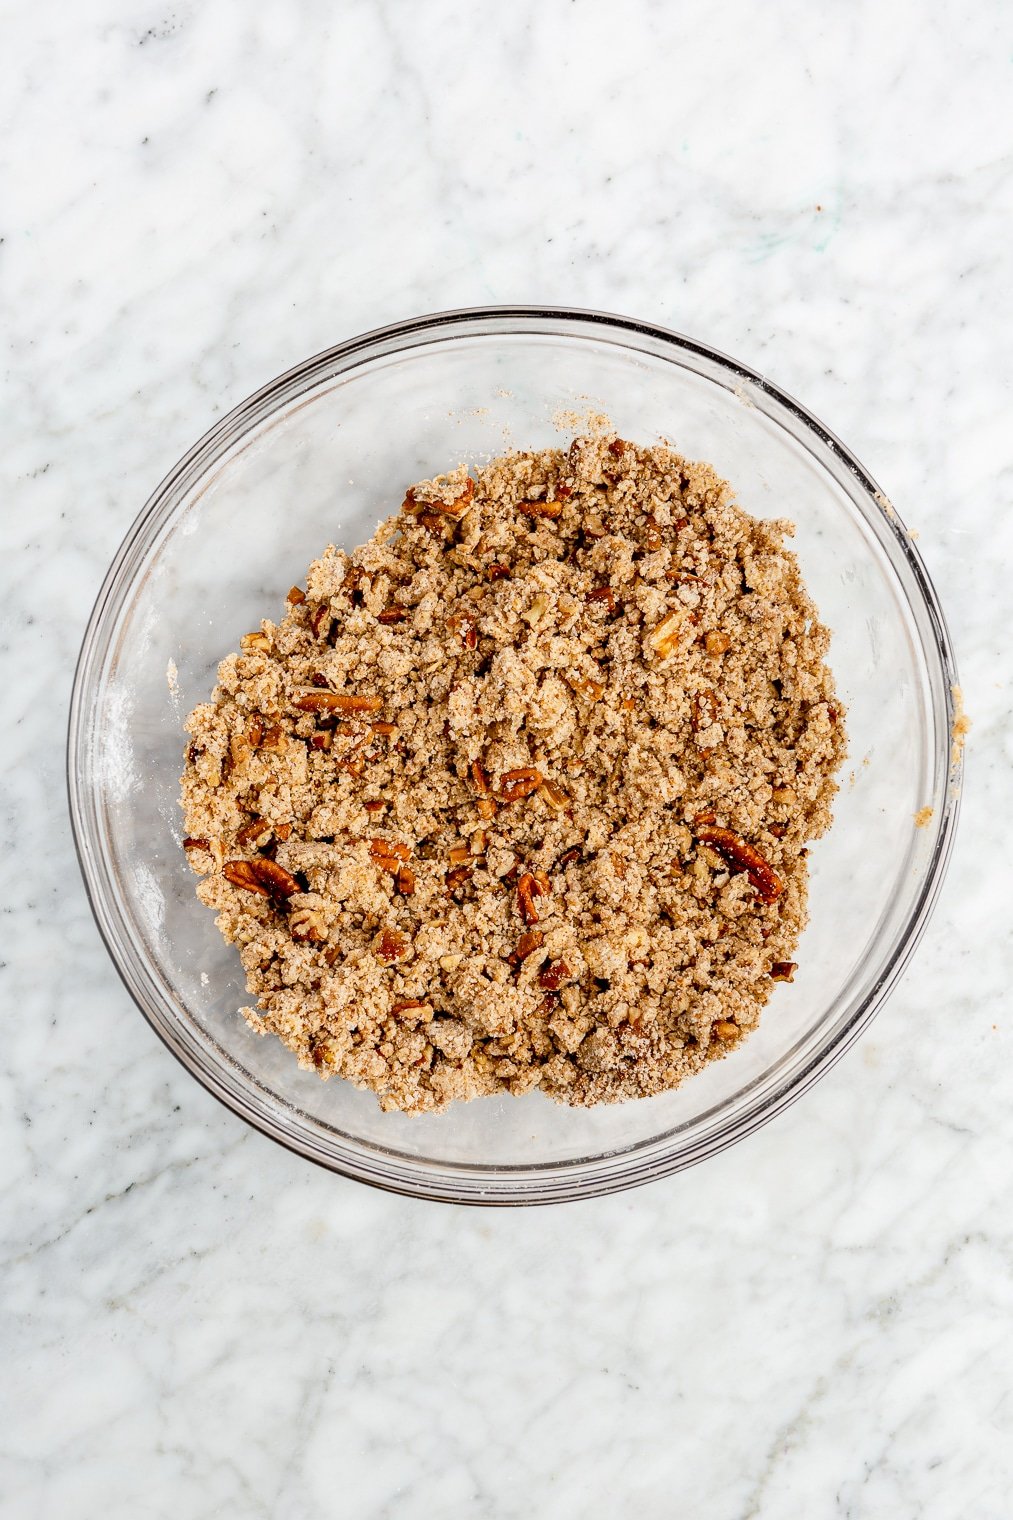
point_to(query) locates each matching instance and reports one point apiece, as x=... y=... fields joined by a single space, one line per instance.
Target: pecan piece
x=783 y=971
x=704 y=711
x=455 y=508
x=588 y=687
x=569 y=857
x=526 y=945
x=295 y=596
x=254 y=731
x=391 y=945
x=664 y=640
x=744 y=857
x=497 y=572
x=255 y=834
x=407 y=1005
x=274 y=738
x=464 y=625
x=554 y=975
x=190 y=843
x=307 y=924
x=652 y=534
x=321 y=621
x=540 y=508
x=517 y=784
x=529 y=886
x=724 y=1029
x=389 y=854
x=604 y=595
x=337 y=701
x=264 y=876
x=456 y=877
x=717 y=643
x=255 y=643
x=554 y=797
x=404 y=881
x=395 y=613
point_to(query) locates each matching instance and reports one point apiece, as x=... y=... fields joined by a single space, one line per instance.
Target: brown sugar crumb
x=517 y=794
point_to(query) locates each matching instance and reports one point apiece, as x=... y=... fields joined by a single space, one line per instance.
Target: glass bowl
x=321 y=455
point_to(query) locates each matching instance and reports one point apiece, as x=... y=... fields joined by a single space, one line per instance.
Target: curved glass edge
x=581 y=1177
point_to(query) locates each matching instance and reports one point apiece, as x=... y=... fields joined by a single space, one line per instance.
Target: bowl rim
x=531 y=1183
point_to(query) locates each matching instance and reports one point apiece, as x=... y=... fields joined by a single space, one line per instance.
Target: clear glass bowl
x=321 y=455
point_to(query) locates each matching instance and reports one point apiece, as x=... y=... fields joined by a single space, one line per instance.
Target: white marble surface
x=197 y=1324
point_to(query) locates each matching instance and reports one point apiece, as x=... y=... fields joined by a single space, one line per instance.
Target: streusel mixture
x=517 y=795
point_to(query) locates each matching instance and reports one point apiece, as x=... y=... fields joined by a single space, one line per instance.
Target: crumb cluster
x=518 y=794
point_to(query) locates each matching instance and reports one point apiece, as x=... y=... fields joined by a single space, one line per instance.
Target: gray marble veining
x=193 y=1322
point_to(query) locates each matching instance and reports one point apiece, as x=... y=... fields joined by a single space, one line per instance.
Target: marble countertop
x=195 y=1323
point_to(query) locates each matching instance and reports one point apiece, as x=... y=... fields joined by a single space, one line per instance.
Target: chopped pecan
x=588 y=687
x=526 y=945
x=464 y=625
x=744 y=857
x=391 y=945
x=652 y=534
x=664 y=640
x=456 y=877
x=255 y=643
x=283 y=830
x=255 y=834
x=569 y=857
x=518 y=784
x=703 y=711
x=264 y=876
x=783 y=971
x=356 y=766
x=529 y=886
x=605 y=595
x=395 y=613
x=321 y=620
x=486 y=807
x=337 y=701
x=724 y=1029
x=375 y=805
x=404 y=881
x=190 y=843
x=717 y=643
x=554 y=797
x=540 y=508
x=351 y=586
x=458 y=854
x=255 y=731
x=307 y=924
x=497 y=572
x=239 y=751
x=455 y=508
x=389 y=854
x=322 y=740
x=274 y=738
x=554 y=975
x=707 y=817
x=407 y=1005
x=479 y=778
x=295 y=596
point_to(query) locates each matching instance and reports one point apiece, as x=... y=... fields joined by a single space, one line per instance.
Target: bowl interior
x=323 y=457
